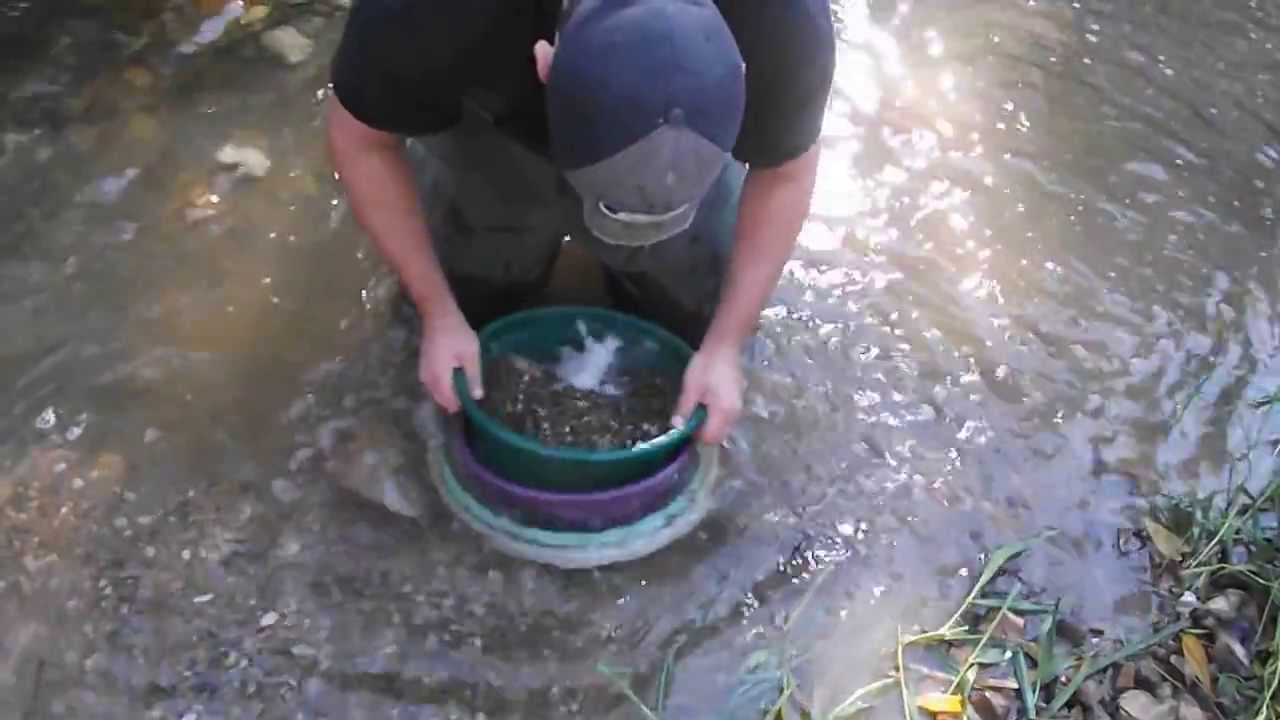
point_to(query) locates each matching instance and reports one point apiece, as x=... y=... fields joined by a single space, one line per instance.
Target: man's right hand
x=448 y=342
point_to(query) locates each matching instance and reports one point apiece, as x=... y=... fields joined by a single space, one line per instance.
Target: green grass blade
x=1024 y=686
x=1021 y=607
x=999 y=558
x=660 y=701
x=1091 y=666
x=624 y=687
x=1046 y=667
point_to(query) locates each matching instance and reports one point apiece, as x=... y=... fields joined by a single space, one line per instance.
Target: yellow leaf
x=1197 y=660
x=941 y=703
x=1169 y=545
x=255 y=14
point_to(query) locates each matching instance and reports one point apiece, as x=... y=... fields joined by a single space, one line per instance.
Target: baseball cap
x=644 y=103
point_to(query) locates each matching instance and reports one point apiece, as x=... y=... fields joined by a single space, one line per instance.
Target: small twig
x=625 y=689
x=857 y=695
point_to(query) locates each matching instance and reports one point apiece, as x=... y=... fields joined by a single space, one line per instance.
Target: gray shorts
x=499 y=214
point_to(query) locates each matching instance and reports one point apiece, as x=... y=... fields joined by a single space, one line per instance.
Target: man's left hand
x=714 y=379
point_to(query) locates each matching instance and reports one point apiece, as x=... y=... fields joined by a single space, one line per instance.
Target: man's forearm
x=773 y=206
x=384 y=199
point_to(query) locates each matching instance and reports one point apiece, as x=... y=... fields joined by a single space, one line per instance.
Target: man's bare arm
x=384 y=198
x=772 y=209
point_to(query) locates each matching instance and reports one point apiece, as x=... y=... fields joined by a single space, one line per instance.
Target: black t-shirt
x=408 y=66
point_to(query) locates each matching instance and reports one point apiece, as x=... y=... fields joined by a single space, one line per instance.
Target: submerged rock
x=368 y=459
x=1227 y=605
x=247 y=160
x=286 y=43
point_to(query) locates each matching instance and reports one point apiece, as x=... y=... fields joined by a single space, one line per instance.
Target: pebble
x=1227 y=605
x=310 y=26
x=1092 y=692
x=108 y=190
x=201 y=599
x=247 y=159
x=268 y=619
x=303 y=650
x=286 y=43
x=992 y=705
x=286 y=491
x=151 y=435
x=194 y=215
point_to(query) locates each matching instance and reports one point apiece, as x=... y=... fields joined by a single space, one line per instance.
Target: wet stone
x=1225 y=606
x=310 y=26
x=530 y=399
x=287 y=44
x=248 y=160
x=991 y=705
x=286 y=491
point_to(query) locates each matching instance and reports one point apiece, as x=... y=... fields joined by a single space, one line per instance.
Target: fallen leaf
x=1010 y=627
x=1140 y=705
x=255 y=14
x=991 y=705
x=938 y=703
x=991 y=656
x=209 y=7
x=997 y=683
x=1127 y=677
x=1197 y=661
x=1169 y=545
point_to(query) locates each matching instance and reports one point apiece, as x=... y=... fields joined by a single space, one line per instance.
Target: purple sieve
x=571 y=512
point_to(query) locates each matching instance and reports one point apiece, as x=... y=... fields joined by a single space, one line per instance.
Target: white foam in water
x=587 y=369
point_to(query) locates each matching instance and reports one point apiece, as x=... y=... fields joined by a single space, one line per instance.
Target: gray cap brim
x=651 y=190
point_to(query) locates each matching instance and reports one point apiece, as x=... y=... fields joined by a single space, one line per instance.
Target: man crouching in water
x=675 y=139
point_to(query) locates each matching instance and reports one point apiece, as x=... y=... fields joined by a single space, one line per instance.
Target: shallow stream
x=1037 y=289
